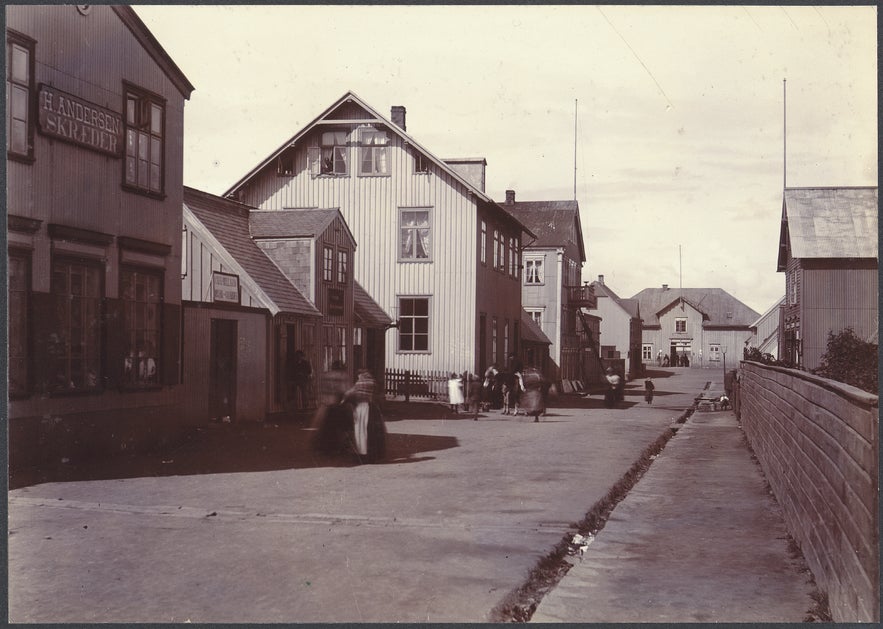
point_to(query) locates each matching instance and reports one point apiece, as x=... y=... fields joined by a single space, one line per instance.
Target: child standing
x=648 y=390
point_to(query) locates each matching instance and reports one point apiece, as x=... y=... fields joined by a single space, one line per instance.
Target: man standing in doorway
x=301 y=375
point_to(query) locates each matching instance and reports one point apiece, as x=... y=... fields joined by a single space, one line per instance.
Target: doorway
x=222 y=375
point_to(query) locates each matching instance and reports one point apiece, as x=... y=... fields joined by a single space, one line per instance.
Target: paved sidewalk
x=698 y=539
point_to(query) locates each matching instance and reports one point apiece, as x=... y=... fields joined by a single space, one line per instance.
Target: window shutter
x=171 y=344
x=313 y=154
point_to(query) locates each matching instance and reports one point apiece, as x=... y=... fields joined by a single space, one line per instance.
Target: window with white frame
x=373 y=152
x=145 y=115
x=330 y=157
x=681 y=324
x=495 y=340
x=327 y=264
x=536 y=315
x=514 y=263
x=19 y=91
x=533 y=270
x=506 y=338
x=647 y=351
x=342 y=265
x=415 y=234
x=793 y=294
x=714 y=353
x=496 y=248
x=413 y=324
x=483 y=242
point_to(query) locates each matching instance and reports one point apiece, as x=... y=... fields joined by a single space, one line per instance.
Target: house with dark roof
x=435 y=251
x=828 y=252
x=697 y=327
x=94 y=161
x=550 y=280
x=620 y=328
x=534 y=344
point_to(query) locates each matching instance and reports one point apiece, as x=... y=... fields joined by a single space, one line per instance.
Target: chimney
x=665 y=287
x=601 y=280
x=510 y=197
x=397 y=115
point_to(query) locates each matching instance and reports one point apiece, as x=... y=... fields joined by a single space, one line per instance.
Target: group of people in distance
x=515 y=390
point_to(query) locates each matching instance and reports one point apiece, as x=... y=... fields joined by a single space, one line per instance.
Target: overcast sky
x=678 y=111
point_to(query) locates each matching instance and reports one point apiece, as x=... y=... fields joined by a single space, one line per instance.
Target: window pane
x=19 y=103
x=155 y=119
x=421 y=343
x=19 y=137
x=407 y=307
x=421 y=307
x=131 y=110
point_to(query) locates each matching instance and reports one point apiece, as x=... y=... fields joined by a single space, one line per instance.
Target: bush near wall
x=850 y=359
x=817 y=442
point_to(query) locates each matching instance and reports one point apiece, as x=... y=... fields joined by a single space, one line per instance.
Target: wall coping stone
x=844 y=390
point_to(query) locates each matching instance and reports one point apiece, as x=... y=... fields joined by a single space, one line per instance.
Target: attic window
x=729 y=315
x=330 y=157
x=285 y=164
x=373 y=152
x=421 y=163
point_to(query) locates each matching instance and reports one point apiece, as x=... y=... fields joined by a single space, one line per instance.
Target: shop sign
x=225 y=287
x=335 y=301
x=73 y=119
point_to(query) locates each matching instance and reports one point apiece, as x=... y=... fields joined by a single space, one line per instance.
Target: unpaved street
x=440 y=533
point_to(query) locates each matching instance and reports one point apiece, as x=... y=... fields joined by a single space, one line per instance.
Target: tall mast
x=784 y=135
x=575 y=110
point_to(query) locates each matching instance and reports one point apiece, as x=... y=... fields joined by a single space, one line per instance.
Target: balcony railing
x=582 y=297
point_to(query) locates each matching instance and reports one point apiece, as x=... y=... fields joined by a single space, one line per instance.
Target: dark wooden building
x=95 y=115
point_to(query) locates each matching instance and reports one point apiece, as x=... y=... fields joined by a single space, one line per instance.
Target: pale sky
x=678 y=111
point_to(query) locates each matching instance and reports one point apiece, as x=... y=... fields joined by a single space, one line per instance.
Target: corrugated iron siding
x=202 y=261
x=834 y=299
x=91 y=197
x=370 y=206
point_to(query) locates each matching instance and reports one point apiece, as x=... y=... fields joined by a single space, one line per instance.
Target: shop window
x=415 y=234
x=327 y=347
x=340 y=349
x=533 y=271
x=18 y=328
x=74 y=350
x=373 y=152
x=495 y=340
x=680 y=324
x=413 y=324
x=506 y=339
x=141 y=296
x=145 y=115
x=19 y=94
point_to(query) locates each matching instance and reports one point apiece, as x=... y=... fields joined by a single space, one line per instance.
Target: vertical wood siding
x=370 y=206
x=834 y=299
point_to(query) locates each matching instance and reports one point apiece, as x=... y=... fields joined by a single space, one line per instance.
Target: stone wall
x=817 y=441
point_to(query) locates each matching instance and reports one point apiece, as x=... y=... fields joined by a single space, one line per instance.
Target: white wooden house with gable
x=435 y=252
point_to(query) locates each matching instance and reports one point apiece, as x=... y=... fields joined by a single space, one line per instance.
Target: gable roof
x=530 y=331
x=368 y=311
x=828 y=223
x=227 y=221
x=713 y=303
x=631 y=306
x=555 y=223
x=150 y=44
x=299 y=223
x=377 y=118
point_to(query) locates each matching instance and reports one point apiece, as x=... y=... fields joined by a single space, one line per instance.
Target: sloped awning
x=368 y=313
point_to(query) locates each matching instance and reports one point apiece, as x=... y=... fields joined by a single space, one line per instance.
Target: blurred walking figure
x=533 y=399
x=473 y=394
x=361 y=396
x=649 y=387
x=455 y=392
x=490 y=387
x=612 y=391
x=659 y=358
x=333 y=420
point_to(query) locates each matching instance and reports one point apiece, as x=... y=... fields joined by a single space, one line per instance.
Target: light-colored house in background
x=765 y=331
x=707 y=325
x=828 y=252
x=435 y=252
x=551 y=292
x=620 y=328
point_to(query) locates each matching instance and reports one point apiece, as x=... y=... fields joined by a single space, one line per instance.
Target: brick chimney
x=397 y=115
x=601 y=280
x=510 y=197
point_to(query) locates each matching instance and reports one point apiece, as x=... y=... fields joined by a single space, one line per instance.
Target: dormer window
x=330 y=157
x=373 y=152
x=421 y=164
x=285 y=163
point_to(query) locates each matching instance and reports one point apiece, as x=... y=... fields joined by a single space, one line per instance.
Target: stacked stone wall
x=817 y=441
